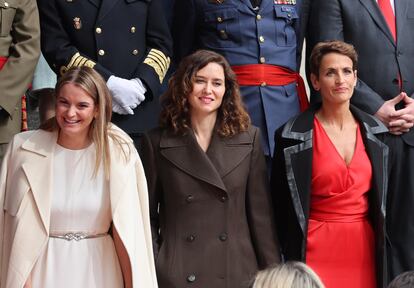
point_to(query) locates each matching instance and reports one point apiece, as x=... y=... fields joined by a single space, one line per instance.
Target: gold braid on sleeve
x=159 y=62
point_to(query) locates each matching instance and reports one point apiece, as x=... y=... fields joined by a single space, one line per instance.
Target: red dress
x=340 y=244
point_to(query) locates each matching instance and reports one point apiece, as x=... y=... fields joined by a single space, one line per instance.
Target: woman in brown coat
x=209 y=200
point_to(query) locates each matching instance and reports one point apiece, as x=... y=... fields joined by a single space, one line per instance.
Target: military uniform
x=19 y=51
x=245 y=36
x=124 y=38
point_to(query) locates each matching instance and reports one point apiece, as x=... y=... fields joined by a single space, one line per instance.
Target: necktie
x=386 y=10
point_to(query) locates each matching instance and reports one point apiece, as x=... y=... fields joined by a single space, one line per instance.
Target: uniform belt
x=3 y=61
x=271 y=75
x=77 y=236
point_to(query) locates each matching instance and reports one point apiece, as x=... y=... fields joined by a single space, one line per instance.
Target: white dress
x=80 y=203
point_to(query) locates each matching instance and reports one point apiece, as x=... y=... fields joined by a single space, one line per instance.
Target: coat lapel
x=106 y=6
x=376 y=14
x=95 y=3
x=298 y=158
x=39 y=170
x=401 y=7
x=378 y=153
x=223 y=155
x=227 y=153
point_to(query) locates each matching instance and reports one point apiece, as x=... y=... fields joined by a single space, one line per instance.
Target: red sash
x=3 y=61
x=271 y=75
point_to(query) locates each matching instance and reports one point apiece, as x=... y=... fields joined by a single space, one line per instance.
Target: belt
x=3 y=61
x=273 y=75
x=77 y=236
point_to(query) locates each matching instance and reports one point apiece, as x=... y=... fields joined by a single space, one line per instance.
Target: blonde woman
x=289 y=275
x=75 y=198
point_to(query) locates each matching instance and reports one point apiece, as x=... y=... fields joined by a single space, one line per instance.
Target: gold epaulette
x=77 y=61
x=159 y=62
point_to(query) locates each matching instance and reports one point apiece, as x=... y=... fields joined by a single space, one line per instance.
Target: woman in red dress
x=329 y=179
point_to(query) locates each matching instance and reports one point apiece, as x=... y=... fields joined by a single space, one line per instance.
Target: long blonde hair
x=99 y=131
x=289 y=275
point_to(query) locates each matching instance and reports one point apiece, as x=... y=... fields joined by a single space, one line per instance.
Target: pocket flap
x=285 y=11
x=8 y=4
x=220 y=15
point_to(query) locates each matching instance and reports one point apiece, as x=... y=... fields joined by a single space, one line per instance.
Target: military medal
x=285 y=2
x=77 y=23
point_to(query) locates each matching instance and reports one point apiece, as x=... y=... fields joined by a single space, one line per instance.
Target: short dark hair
x=232 y=117
x=333 y=46
x=404 y=280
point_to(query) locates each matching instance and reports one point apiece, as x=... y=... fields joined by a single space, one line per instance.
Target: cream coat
x=25 y=194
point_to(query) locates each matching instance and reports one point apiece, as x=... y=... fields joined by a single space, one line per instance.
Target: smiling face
x=336 y=79
x=75 y=111
x=208 y=90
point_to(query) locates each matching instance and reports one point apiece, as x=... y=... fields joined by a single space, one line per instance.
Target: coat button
x=262 y=60
x=223 y=198
x=133 y=29
x=189 y=198
x=219 y=19
x=259 y=17
x=6 y=4
x=223 y=237
x=261 y=39
x=263 y=84
x=135 y=52
x=191 y=278
x=98 y=30
x=101 y=52
x=223 y=35
x=190 y=238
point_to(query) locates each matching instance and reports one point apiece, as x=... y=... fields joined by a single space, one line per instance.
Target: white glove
x=126 y=94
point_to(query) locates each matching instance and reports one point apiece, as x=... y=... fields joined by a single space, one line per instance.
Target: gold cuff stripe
x=162 y=65
x=77 y=61
x=161 y=56
x=159 y=62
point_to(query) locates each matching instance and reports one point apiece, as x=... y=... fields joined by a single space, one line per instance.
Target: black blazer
x=360 y=22
x=291 y=183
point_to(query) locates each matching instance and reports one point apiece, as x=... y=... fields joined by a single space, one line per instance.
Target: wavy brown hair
x=232 y=117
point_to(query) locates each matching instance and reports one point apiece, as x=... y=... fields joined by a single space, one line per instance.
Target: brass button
x=263 y=84
x=219 y=19
x=133 y=29
x=223 y=35
x=259 y=17
x=190 y=238
x=189 y=198
x=101 y=52
x=261 y=39
x=223 y=237
x=262 y=60
x=6 y=4
x=191 y=278
x=135 y=52
x=98 y=30
x=223 y=198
